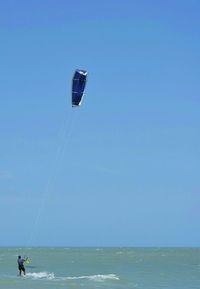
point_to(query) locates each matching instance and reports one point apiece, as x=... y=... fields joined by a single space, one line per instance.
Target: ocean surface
x=102 y=268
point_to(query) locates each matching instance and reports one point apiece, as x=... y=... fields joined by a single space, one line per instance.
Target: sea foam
x=41 y=275
x=98 y=277
x=51 y=276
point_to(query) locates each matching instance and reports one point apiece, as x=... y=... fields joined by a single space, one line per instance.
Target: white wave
x=51 y=276
x=98 y=277
x=41 y=275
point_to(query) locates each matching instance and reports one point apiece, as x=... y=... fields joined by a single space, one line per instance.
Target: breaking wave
x=41 y=275
x=96 y=277
x=51 y=276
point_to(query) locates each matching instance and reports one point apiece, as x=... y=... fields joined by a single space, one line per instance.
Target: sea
x=101 y=268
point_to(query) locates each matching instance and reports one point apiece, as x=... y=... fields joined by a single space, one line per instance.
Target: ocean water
x=102 y=268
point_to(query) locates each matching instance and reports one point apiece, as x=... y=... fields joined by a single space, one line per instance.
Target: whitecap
x=51 y=276
x=41 y=275
x=98 y=278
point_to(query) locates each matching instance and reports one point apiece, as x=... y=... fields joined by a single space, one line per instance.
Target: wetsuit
x=21 y=267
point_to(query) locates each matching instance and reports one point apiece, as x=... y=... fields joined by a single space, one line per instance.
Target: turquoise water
x=98 y=268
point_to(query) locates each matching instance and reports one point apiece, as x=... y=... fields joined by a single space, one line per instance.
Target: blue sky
x=123 y=169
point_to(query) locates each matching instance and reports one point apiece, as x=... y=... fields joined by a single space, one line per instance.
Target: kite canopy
x=78 y=86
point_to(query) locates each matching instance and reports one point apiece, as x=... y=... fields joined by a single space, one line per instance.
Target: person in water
x=21 y=267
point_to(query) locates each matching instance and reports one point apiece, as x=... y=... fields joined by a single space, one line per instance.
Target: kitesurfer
x=21 y=267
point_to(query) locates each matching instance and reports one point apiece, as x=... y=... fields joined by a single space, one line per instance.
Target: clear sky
x=123 y=169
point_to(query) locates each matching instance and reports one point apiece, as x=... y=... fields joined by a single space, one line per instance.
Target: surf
x=51 y=276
